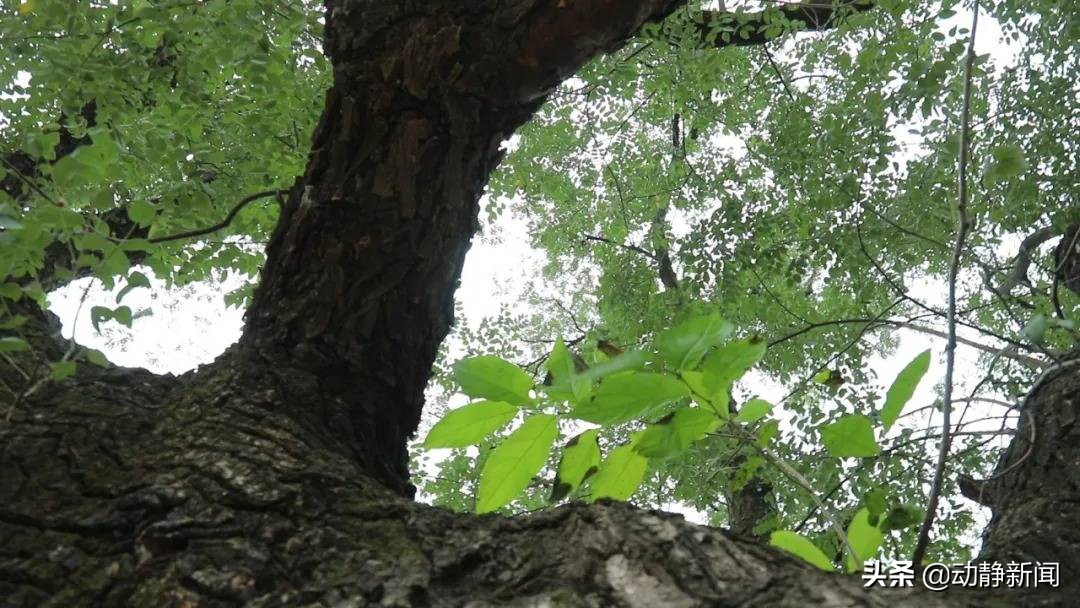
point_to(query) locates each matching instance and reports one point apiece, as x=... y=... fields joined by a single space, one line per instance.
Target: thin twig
x=954 y=269
x=223 y=223
x=794 y=475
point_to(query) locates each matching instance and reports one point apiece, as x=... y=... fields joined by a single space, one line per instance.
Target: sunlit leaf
x=469 y=424
x=729 y=362
x=850 y=436
x=903 y=388
x=865 y=539
x=580 y=458
x=753 y=410
x=628 y=396
x=801 y=547
x=675 y=432
x=619 y=475
x=684 y=345
x=513 y=464
x=489 y=377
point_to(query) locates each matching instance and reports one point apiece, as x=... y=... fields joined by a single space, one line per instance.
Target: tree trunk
x=276 y=476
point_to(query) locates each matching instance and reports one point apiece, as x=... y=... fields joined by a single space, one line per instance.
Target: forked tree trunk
x=276 y=475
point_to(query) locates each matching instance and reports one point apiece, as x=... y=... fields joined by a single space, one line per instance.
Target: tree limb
x=728 y=28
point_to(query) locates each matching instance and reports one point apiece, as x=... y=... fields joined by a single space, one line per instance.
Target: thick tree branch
x=722 y=29
x=361 y=268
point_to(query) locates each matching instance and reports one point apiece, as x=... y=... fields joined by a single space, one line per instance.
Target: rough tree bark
x=277 y=475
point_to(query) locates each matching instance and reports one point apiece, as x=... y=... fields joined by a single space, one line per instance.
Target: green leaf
x=469 y=424
x=99 y=314
x=489 y=377
x=718 y=402
x=768 y=431
x=822 y=377
x=729 y=362
x=561 y=370
x=122 y=315
x=903 y=388
x=865 y=539
x=876 y=501
x=620 y=363
x=513 y=464
x=1035 y=329
x=115 y=262
x=61 y=370
x=620 y=474
x=560 y=364
x=850 y=436
x=96 y=357
x=801 y=547
x=684 y=345
x=134 y=280
x=1006 y=161
x=902 y=516
x=11 y=291
x=11 y=344
x=141 y=212
x=581 y=458
x=753 y=410
x=629 y=396
x=9 y=223
x=675 y=432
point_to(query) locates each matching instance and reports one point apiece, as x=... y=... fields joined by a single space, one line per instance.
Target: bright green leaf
x=141 y=212
x=1006 y=161
x=620 y=474
x=11 y=344
x=581 y=458
x=753 y=410
x=628 y=396
x=903 y=388
x=850 y=436
x=489 y=377
x=684 y=345
x=729 y=362
x=469 y=424
x=96 y=357
x=675 y=432
x=865 y=539
x=801 y=547
x=513 y=464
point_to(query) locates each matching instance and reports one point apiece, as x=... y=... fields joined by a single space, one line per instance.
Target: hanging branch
x=244 y=202
x=962 y=227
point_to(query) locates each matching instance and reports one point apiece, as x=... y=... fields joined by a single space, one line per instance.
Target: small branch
x=1022 y=261
x=1026 y=360
x=223 y=223
x=954 y=269
x=634 y=248
x=776 y=70
x=750 y=27
x=794 y=475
